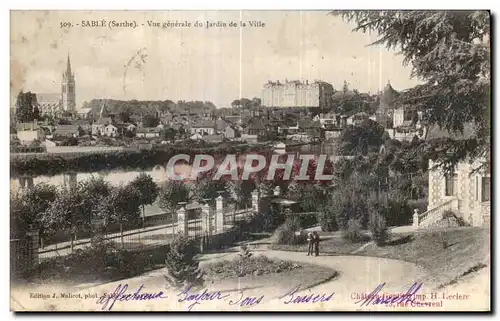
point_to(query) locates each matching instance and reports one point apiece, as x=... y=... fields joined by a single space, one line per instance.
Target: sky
x=196 y=63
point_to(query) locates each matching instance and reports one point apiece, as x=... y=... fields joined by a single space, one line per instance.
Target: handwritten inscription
x=195 y=298
x=293 y=298
x=375 y=297
x=120 y=294
x=246 y=301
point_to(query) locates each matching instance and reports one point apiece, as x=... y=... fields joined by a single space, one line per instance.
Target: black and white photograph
x=250 y=160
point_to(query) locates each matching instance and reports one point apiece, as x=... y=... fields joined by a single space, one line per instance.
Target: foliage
x=122 y=205
x=182 y=267
x=361 y=139
x=244 y=252
x=285 y=234
x=127 y=159
x=70 y=141
x=146 y=188
x=450 y=52
x=173 y=193
x=34 y=201
x=66 y=212
x=150 y=121
x=207 y=188
x=353 y=231
x=240 y=191
x=148 y=107
x=93 y=193
x=378 y=223
x=246 y=103
x=255 y=265
x=26 y=108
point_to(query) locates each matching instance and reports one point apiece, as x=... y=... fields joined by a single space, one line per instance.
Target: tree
x=236 y=103
x=124 y=116
x=361 y=139
x=146 y=189
x=150 y=121
x=240 y=191
x=66 y=212
x=173 y=193
x=450 y=52
x=36 y=200
x=182 y=268
x=92 y=191
x=169 y=133
x=245 y=103
x=256 y=102
x=345 y=87
x=26 y=108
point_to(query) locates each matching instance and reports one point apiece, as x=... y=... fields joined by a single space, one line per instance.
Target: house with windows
x=203 y=127
x=466 y=192
x=110 y=130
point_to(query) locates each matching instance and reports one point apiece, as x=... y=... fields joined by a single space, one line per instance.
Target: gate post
x=182 y=221
x=219 y=215
x=33 y=246
x=205 y=219
x=415 y=219
x=255 y=201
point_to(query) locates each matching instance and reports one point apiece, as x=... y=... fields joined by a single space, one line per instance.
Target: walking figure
x=316 y=243
x=309 y=243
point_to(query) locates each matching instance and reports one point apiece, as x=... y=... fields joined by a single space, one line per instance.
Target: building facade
x=297 y=94
x=466 y=192
x=68 y=89
x=55 y=103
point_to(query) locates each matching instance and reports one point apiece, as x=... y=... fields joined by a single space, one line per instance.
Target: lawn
x=259 y=275
x=447 y=254
x=328 y=244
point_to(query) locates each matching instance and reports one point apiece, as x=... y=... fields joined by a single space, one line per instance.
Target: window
x=485 y=189
x=477 y=188
x=450 y=181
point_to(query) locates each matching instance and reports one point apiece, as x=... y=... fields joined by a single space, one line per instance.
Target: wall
x=27 y=136
x=467 y=190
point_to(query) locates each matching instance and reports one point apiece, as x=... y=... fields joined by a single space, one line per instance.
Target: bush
x=244 y=252
x=448 y=214
x=353 y=231
x=327 y=219
x=182 y=268
x=255 y=265
x=285 y=234
x=378 y=228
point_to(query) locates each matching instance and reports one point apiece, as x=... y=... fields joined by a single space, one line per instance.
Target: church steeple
x=68 y=88
x=68 y=67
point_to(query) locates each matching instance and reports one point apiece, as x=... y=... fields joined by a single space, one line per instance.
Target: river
x=119 y=176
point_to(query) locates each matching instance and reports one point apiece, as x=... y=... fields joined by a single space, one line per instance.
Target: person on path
x=316 y=243
x=310 y=243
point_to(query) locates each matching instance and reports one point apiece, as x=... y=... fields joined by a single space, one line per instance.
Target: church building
x=56 y=103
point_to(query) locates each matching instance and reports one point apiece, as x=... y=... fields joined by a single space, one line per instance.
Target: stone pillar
x=35 y=239
x=219 y=215
x=205 y=219
x=255 y=201
x=182 y=221
x=415 y=219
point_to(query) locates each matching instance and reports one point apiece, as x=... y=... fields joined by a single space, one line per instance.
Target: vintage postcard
x=250 y=161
